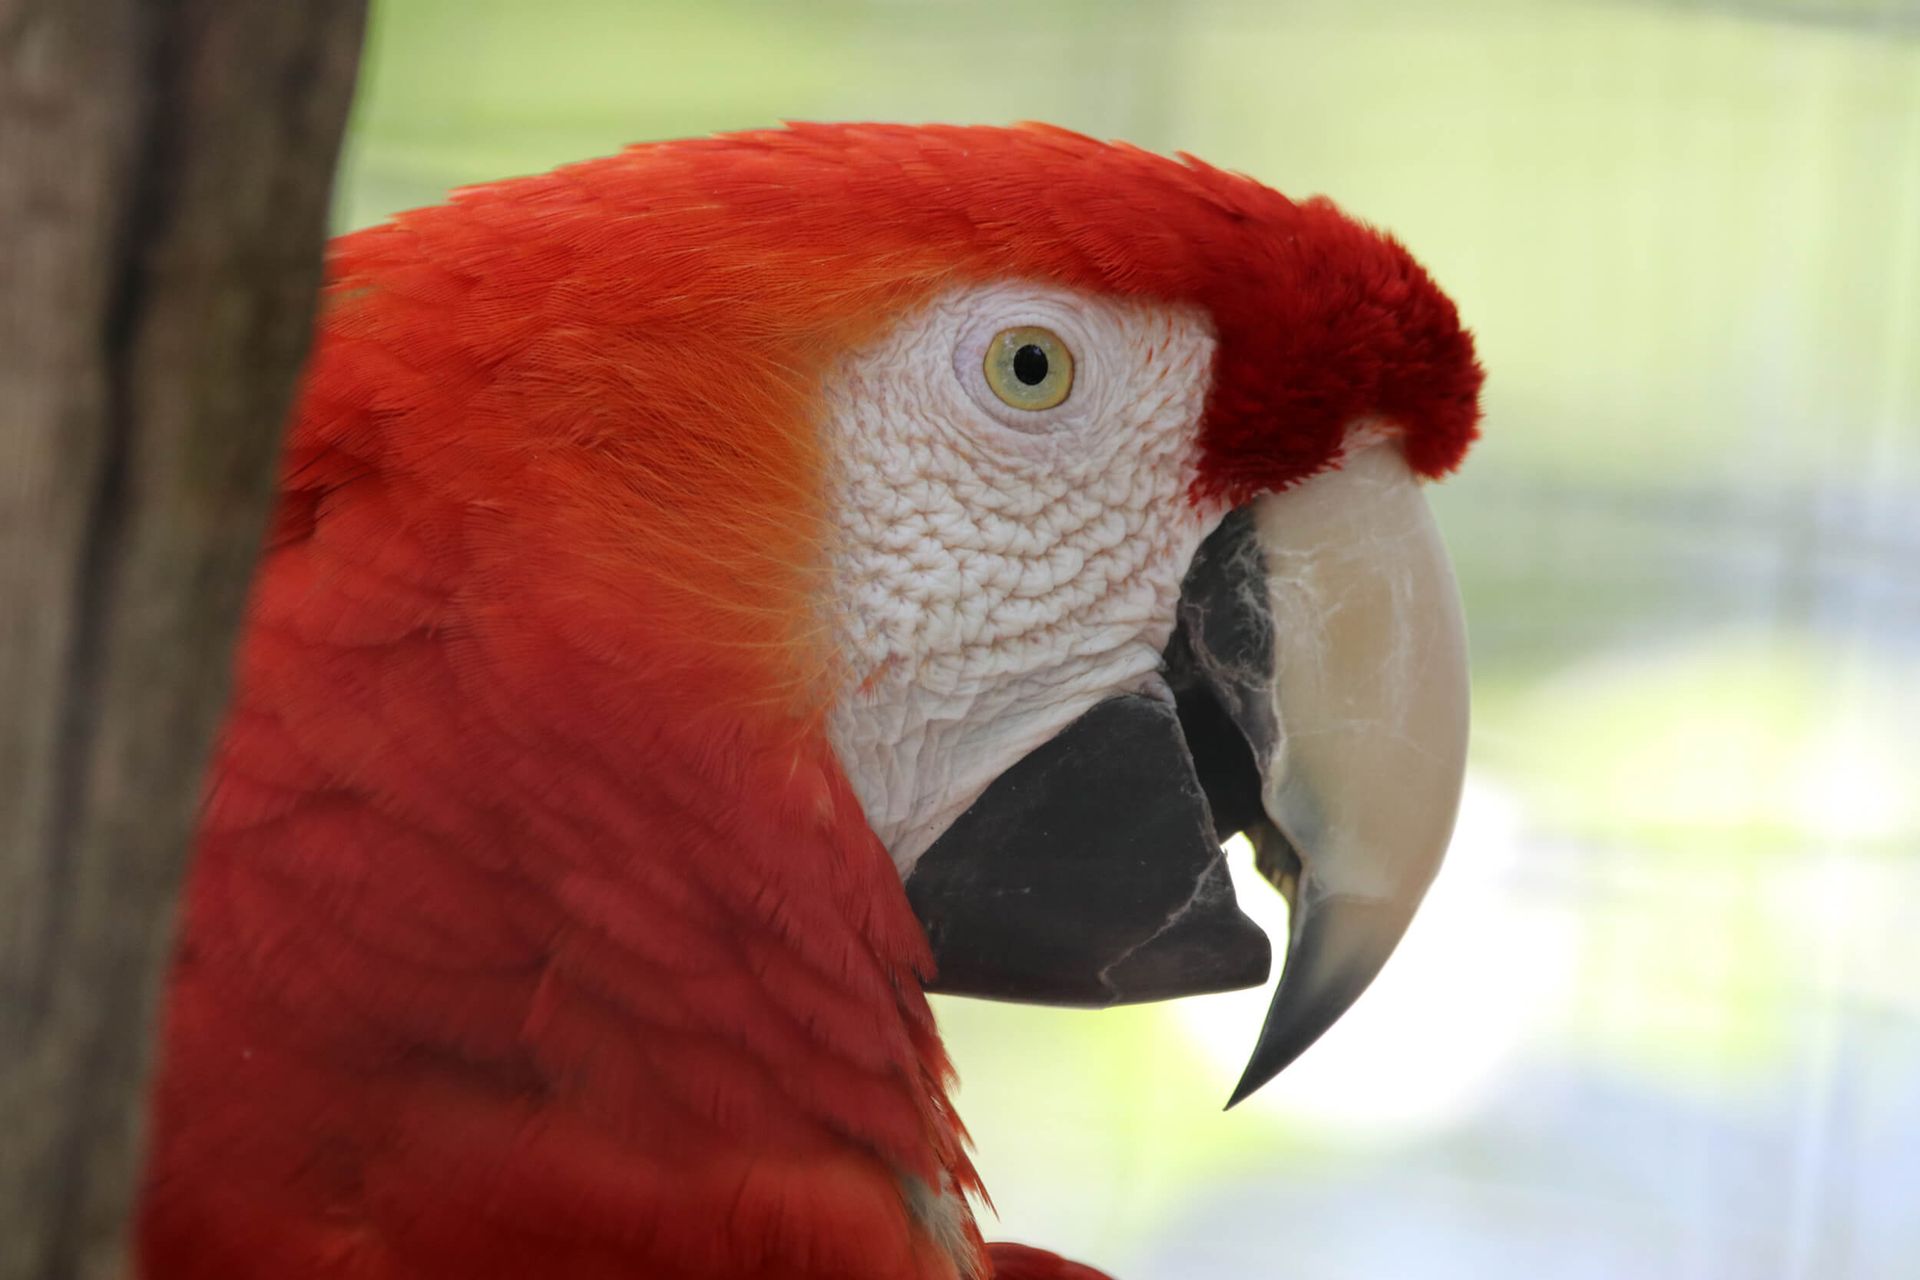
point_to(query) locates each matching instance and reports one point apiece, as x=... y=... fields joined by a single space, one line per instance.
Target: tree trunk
x=164 y=174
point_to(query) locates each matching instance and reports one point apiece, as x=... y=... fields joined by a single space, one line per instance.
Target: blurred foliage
x=1659 y=1017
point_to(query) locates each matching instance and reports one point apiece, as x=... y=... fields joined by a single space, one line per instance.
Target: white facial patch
x=1000 y=570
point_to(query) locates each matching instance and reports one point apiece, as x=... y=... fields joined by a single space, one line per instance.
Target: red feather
x=1020 y=1262
x=534 y=929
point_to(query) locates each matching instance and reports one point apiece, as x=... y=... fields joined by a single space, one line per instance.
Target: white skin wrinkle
x=998 y=571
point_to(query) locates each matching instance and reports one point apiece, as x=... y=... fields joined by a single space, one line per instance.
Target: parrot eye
x=1029 y=368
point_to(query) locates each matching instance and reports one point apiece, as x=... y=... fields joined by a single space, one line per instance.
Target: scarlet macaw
x=717 y=588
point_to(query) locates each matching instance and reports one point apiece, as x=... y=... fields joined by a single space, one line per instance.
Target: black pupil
x=1030 y=365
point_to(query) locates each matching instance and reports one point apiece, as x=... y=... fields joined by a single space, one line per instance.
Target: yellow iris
x=1029 y=367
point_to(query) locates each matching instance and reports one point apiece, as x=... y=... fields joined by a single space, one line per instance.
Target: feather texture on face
x=535 y=926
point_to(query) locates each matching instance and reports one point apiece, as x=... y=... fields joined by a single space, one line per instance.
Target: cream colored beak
x=1360 y=738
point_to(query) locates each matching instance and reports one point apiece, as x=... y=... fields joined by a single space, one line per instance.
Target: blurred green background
x=1661 y=1017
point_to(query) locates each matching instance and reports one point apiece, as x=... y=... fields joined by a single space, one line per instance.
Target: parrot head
x=1122 y=553
x=721 y=591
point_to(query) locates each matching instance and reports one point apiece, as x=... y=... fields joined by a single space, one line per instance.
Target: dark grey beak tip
x=1207 y=946
x=1339 y=946
x=1089 y=874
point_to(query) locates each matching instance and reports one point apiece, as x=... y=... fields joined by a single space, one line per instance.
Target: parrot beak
x=1331 y=707
x=1318 y=682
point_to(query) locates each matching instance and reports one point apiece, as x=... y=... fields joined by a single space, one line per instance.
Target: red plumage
x=1019 y=1262
x=534 y=929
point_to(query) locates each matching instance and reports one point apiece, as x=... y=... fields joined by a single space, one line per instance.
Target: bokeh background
x=1661 y=1017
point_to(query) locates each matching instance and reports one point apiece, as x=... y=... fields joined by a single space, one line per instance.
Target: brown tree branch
x=165 y=168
